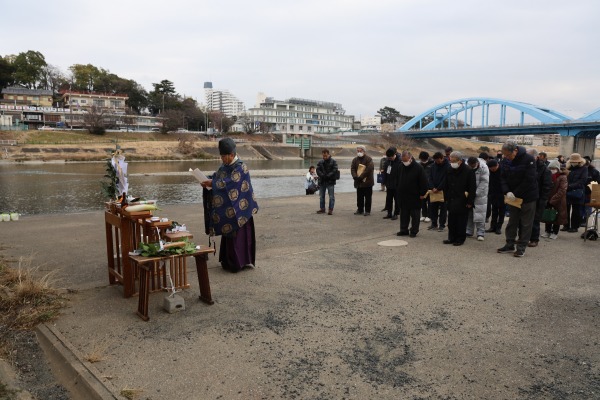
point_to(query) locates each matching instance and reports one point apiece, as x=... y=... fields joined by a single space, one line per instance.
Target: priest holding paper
x=362 y=172
x=520 y=187
x=232 y=209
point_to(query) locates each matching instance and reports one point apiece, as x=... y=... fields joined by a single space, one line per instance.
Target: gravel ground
x=329 y=314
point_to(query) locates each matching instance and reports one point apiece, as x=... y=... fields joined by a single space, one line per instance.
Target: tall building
x=300 y=116
x=223 y=101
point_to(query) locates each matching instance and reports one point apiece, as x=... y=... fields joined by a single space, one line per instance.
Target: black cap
x=391 y=151
x=492 y=163
x=226 y=146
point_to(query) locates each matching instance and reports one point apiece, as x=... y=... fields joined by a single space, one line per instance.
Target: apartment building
x=300 y=116
x=85 y=100
x=22 y=96
x=222 y=101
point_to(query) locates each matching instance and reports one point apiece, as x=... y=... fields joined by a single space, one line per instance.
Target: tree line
x=31 y=70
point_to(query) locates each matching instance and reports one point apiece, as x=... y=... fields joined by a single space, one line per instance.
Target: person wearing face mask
x=328 y=173
x=410 y=188
x=519 y=181
x=460 y=193
x=425 y=162
x=557 y=199
x=362 y=172
x=476 y=219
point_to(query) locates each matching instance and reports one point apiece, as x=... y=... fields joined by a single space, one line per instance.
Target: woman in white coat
x=476 y=221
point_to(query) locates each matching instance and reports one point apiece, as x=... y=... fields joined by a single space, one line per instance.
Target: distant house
x=86 y=100
x=21 y=96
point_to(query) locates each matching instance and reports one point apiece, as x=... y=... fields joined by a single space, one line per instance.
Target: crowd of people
x=464 y=194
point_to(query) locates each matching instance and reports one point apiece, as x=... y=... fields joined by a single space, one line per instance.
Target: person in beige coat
x=557 y=199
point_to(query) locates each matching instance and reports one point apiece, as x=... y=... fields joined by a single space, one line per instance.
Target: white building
x=373 y=122
x=222 y=101
x=300 y=116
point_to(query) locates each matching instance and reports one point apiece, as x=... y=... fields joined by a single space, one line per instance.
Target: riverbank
x=328 y=313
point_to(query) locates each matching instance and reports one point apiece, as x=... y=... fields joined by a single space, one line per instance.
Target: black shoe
x=499 y=231
x=519 y=253
x=441 y=229
x=358 y=213
x=491 y=230
x=387 y=217
x=564 y=228
x=395 y=217
x=431 y=228
x=402 y=233
x=385 y=209
x=448 y=242
x=458 y=243
x=367 y=214
x=506 y=249
x=572 y=230
x=412 y=235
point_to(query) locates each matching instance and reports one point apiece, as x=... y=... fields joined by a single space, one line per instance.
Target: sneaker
x=545 y=235
x=506 y=249
x=480 y=238
x=553 y=236
x=422 y=219
x=427 y=219
x=321 y=211
x=367 y=214
x=330 y=212
x=431 y=228
x=519 y=253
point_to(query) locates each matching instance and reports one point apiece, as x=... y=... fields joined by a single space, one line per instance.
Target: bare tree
x=94 y=120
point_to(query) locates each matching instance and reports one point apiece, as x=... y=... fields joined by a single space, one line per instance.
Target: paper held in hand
x=360 y=169
x=437 y=197
x=515 y=203
x=199 y=175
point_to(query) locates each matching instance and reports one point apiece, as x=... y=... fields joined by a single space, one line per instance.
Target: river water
x=50 y=188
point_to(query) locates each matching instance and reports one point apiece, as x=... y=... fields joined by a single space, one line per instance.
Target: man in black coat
x=411 y=188
x=519 y=181
x=391 y=169
x=496 y=197
x=438 y=212
x=460 y=194
x=327 y=171
x=544 y=180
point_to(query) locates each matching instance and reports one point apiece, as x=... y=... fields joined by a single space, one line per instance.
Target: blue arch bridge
x=481 y=116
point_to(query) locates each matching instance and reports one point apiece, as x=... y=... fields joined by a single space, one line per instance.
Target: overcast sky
x=406 y=54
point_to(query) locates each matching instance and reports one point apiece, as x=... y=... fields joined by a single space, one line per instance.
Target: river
x=51 y=188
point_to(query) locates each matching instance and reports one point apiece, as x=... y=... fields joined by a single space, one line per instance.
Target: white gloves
x=510 y=196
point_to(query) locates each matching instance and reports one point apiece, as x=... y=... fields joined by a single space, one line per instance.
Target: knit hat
x=226 y=146
x=360 y=146
x=554 y=164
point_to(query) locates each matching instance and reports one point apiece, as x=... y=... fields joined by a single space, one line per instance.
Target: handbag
x=575 y=196
x=549 y=215
x=380 y=178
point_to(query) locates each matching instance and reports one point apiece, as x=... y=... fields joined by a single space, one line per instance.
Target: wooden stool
x=147 y=267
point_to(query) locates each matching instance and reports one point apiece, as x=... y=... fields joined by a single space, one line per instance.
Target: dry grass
x=27 y=298
x=131 y=394
x=97 y=353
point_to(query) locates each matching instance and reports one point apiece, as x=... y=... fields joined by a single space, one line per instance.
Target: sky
x=407 y=54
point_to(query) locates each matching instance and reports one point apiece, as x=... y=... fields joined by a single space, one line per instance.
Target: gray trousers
x=523 y=218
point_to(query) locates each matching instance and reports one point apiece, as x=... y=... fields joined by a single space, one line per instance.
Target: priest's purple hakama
x=231 y=215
